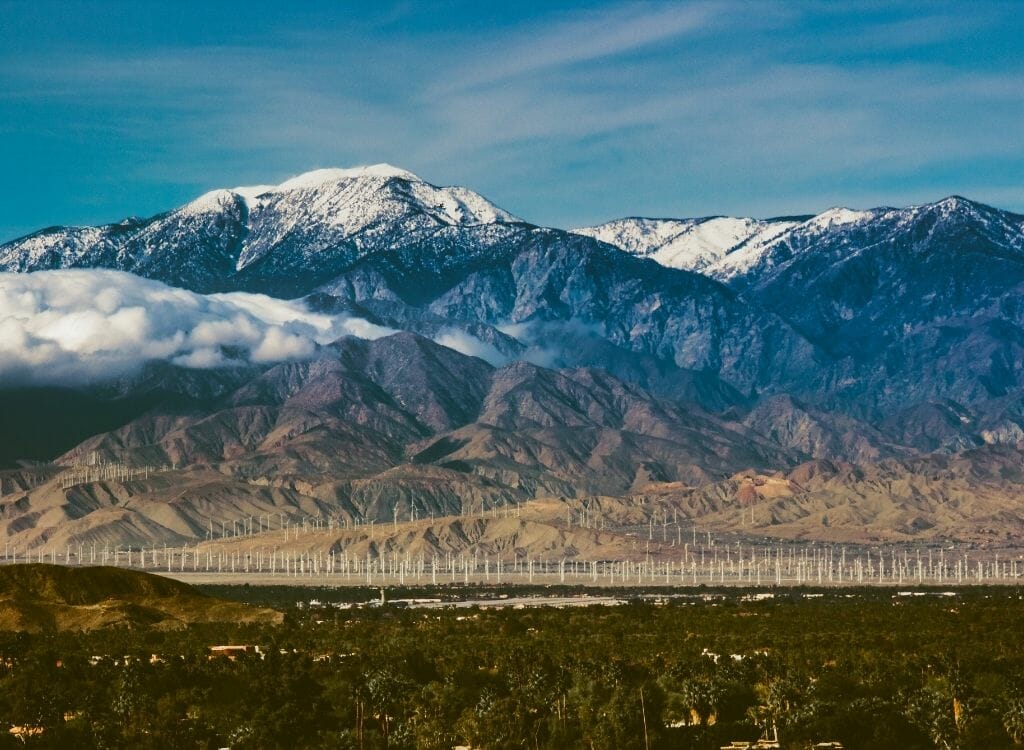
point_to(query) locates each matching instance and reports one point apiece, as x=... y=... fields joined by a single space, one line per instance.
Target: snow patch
x=839 y=216
x=318 y=177
x=252 y=193
x=208 y=203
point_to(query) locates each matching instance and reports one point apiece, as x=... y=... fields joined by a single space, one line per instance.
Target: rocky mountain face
x=377 y=236
x=914 y=305
x=363 y=407
x=551 y=280
x=906 y=306
x=534 y=362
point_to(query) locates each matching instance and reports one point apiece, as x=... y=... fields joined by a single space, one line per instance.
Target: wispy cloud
x=564 y=117
x=574 y=40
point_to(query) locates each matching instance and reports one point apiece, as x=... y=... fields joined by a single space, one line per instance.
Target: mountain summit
x=253 y=237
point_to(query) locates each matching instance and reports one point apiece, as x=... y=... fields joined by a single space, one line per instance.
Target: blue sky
x=565 y=114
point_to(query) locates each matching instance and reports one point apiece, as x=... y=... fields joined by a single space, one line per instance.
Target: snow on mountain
x=744 y=251
x=355 y=197
x=319 y=177
x=214 y=201
x=323 y=221
x=637 y=235
x=747 y=255
x=837 y=236
x=838 y=216
x=713 y=241
x=310 y=224
x=688 y=244
x=53 y=248
x=251 y=193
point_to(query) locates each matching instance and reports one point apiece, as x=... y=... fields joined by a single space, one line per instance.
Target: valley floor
x=870 y=668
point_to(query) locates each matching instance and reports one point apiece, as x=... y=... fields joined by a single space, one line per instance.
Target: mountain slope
x=637 y=354
x=527 y=275
x=368 y=427
x=906 y=306
x=969 y=497
x=916 y=305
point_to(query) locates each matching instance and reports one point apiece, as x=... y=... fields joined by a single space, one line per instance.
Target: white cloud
x=364 y=329
x=278 y=344
x=78 y=326
x=471 y=346
x=582 y=38
x=544 y=340
x=200 y=359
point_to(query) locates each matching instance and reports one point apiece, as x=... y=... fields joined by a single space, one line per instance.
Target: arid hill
x=38 y=597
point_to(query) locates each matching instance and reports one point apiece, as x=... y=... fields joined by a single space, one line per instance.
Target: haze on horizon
x=565 y=116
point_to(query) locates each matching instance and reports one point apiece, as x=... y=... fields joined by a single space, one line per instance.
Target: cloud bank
x=79 y=326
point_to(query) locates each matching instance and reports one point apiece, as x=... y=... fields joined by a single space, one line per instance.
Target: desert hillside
x=39 y=597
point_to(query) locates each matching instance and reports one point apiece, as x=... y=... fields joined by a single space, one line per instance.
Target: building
x=233 y=652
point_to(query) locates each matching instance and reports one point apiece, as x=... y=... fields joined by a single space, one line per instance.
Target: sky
x=566 y=114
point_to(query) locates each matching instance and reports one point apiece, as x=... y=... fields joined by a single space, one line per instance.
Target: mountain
x=357 y=239
x=32 y=414
x=41 y=598
x=899 y=297
x=279 y=239
x=914 y=305
x=514 y=363
x=551 y=279
x=907 y=306
x=748 y=252
x=815 y=433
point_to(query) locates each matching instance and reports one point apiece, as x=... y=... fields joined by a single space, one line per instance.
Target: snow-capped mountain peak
x=957 y=206
x=354 y=196
x=251 y=193
x=733 y=250
x=953 y=203
x=214 y=201
x=839 y=215
x=351 y=211
x=320 y=177
x=308 y=225
x=638 y=235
